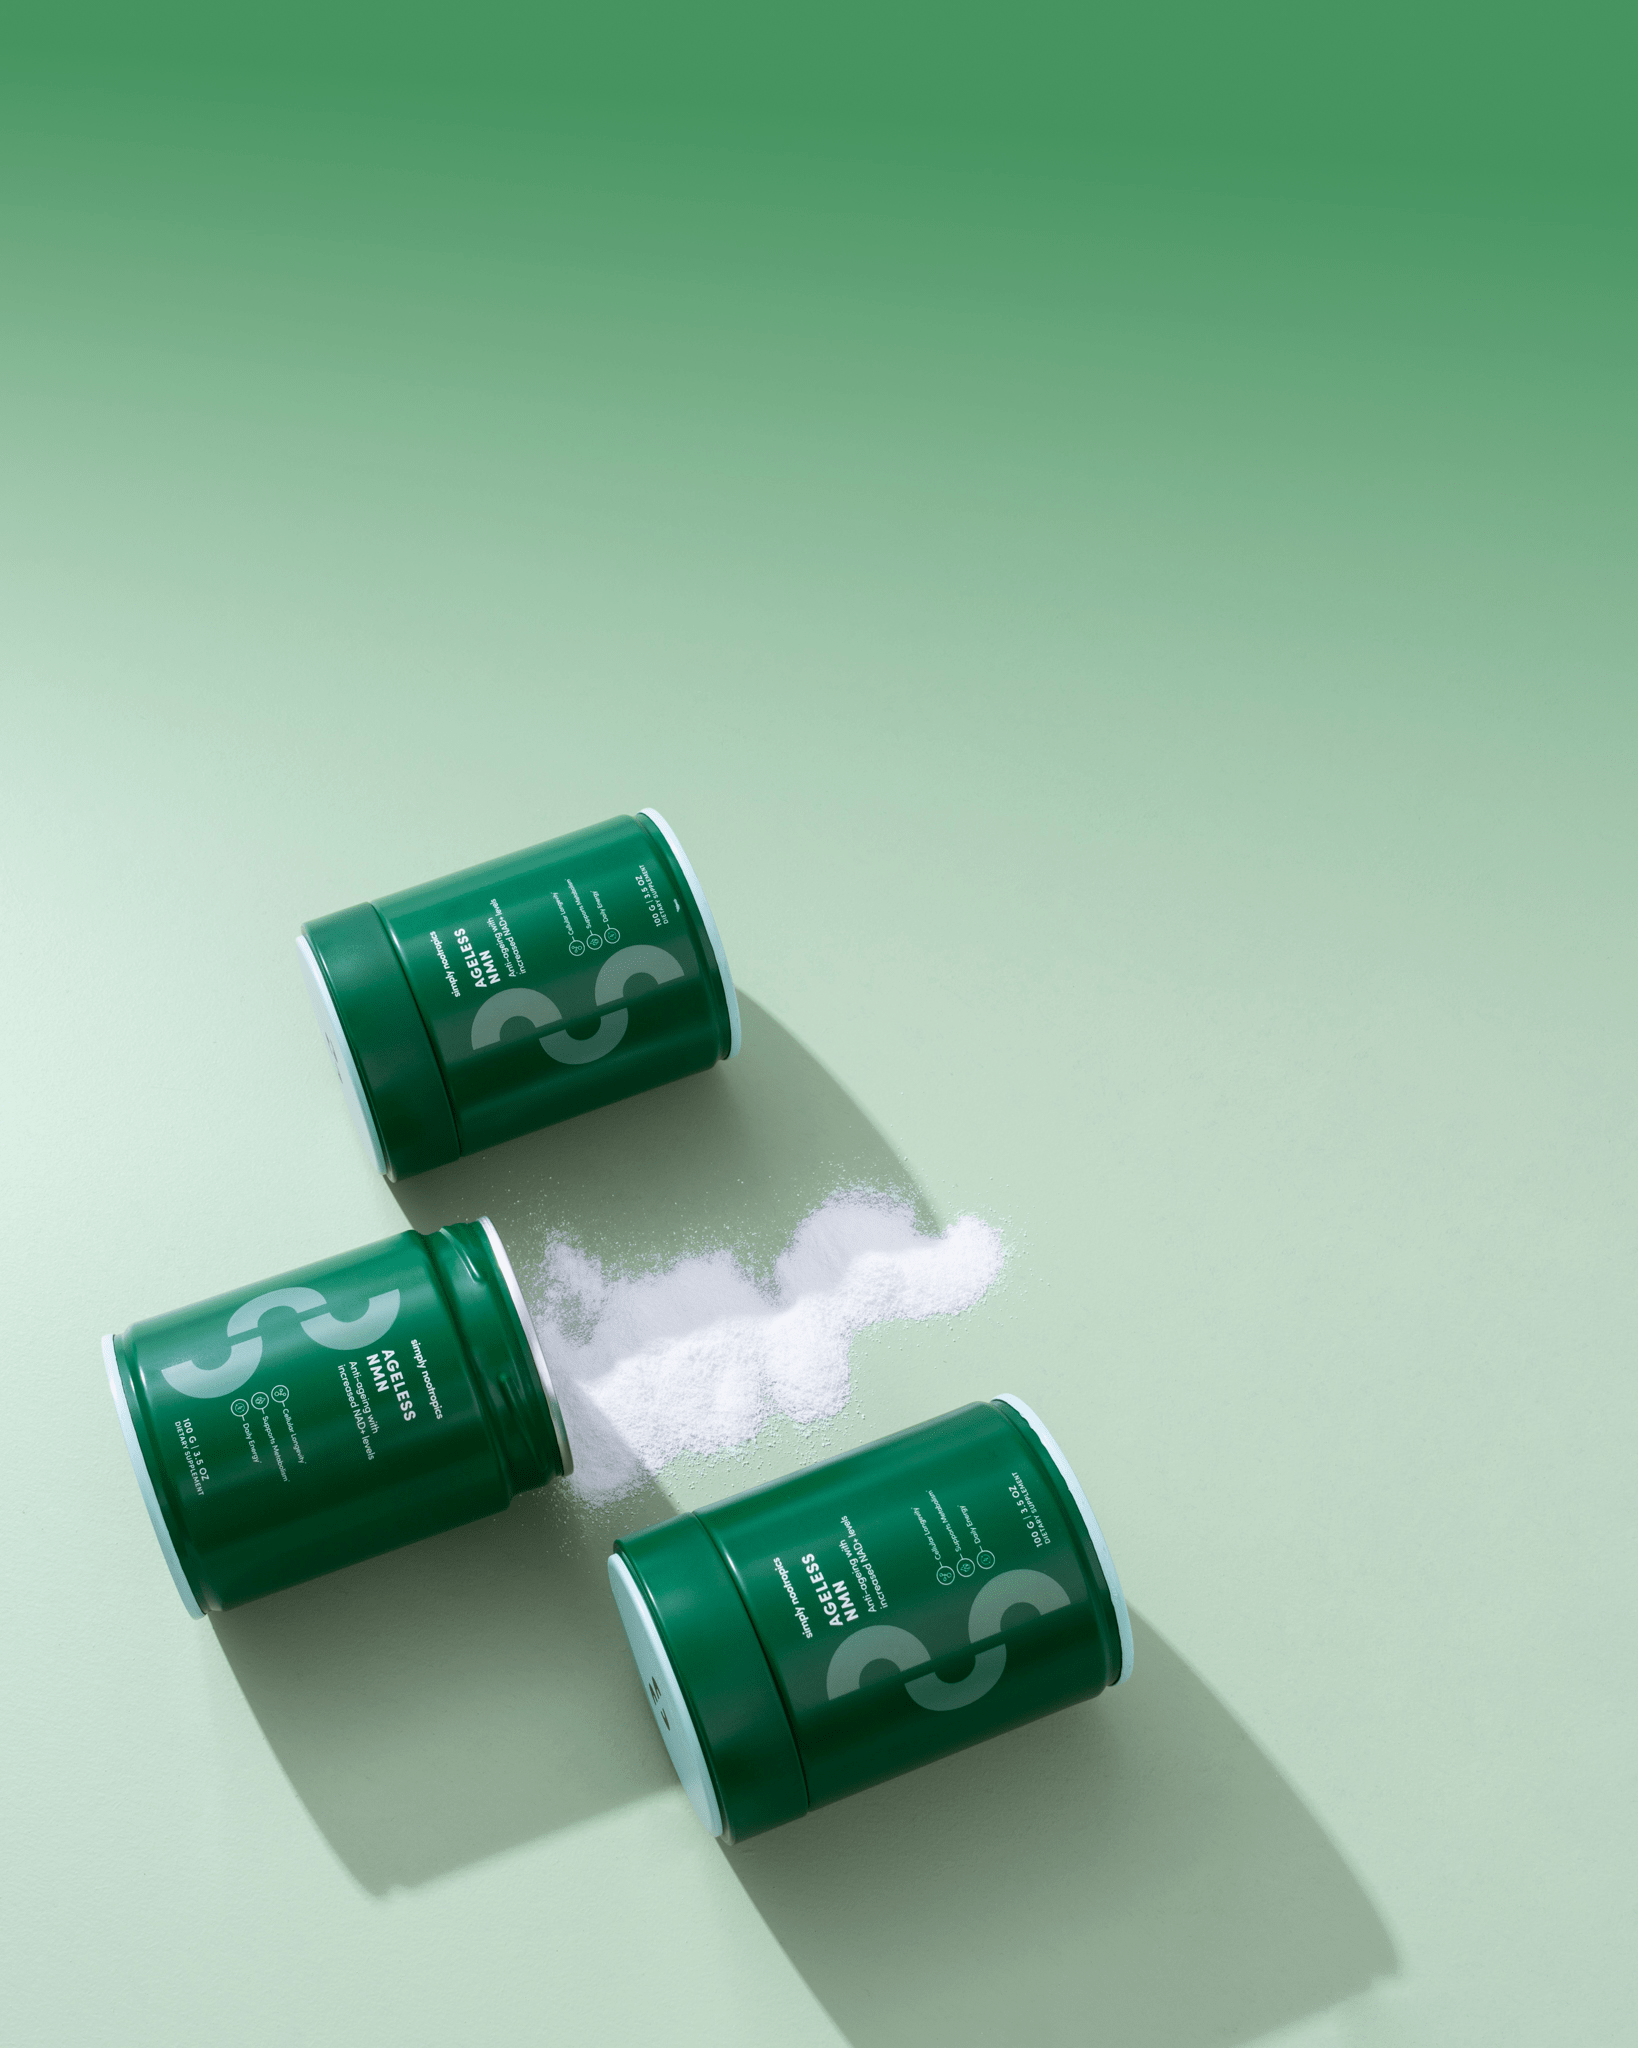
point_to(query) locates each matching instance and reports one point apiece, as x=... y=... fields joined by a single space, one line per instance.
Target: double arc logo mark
x=617 y=970
x=211 y=1382
x=881 y=1642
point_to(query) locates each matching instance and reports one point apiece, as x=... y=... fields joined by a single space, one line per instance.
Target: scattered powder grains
x=695 y=1359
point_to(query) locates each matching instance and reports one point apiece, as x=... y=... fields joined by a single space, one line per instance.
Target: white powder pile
x=697 y=1358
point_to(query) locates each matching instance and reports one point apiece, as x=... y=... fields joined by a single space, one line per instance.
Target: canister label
x=320 y=1418
x=917 y=1596
x=558 y=978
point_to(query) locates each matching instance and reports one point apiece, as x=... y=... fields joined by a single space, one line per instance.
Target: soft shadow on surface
x=458 y=1697
x=734 y=1157
x=475 y=1691
x=1134 y=1870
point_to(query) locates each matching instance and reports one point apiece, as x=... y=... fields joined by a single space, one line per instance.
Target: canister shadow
x=734 y=1157
x=475 y=1692
x=456 y=1698
x=1134 y=1871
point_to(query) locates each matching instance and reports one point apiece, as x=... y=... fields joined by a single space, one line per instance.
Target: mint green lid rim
x=723 y=1671
x=542 y=1371
x=665 y=1696
x=1066 y=1472
x=352 y=1083
x=139 y=1465
x=710 y=923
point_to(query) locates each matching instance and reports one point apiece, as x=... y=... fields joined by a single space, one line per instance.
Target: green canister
x=329 y=1414
x=832 y=1629
x=515 y=994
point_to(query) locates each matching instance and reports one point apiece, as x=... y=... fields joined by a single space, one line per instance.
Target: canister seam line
x=779 y=1690
x=431 y=1041
x=451 y=1308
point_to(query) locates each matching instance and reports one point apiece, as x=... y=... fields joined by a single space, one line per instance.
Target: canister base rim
x=542 y=1370
x=681 y=1737
x=710 y=923
x=1066 y=1472
x=139 y=1465
x=352 y=1083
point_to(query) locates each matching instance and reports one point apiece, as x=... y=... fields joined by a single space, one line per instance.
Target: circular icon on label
x=946 y=1577
x=281 y=1393
x=258 y=1401
x=985 y=1559
x=241 y=1407
x=964 y=1565
x=594 y=942
x=612 y=936
x=575 y=949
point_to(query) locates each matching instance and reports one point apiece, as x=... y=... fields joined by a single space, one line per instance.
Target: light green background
x=1113 y=546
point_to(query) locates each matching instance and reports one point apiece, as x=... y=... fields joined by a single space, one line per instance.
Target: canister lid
x=1106 y=1564
x=720 y=1677
x=706 y=919
x=526 y=1321
x=665 y=1696
x=352 y=1085
x=389 y=1073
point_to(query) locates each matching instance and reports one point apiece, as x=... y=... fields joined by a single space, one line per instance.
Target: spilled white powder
x=698 y=1357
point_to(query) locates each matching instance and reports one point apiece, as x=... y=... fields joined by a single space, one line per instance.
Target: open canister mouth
x=542 y=1370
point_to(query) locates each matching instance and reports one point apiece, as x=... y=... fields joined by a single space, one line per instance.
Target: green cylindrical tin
x=832 y=1629
x=329 y=1414
x=521 y=992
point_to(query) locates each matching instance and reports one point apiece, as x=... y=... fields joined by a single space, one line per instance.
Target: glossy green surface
x=909 y=1598
x=946 y=1550
x=397 y=1069
x=724 y=1673
x=337 y=1411
x=546 y=983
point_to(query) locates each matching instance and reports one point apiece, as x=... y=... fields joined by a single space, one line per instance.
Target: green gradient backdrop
x=1162 y=491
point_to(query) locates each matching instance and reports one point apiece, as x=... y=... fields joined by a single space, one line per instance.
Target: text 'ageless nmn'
x=521 y=992
x=834 y=1628
x=307 y=1421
